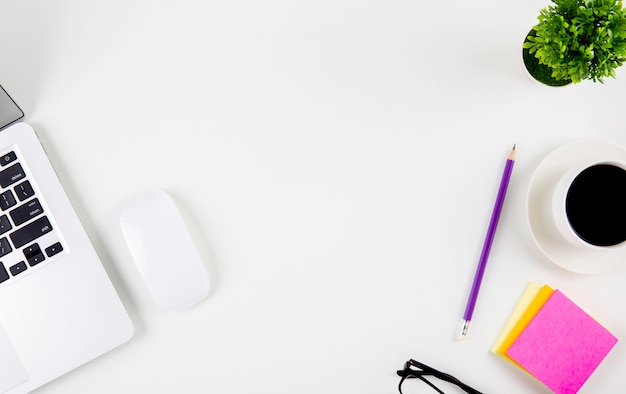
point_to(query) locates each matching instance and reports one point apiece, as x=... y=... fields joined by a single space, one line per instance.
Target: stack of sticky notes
x=553 y=339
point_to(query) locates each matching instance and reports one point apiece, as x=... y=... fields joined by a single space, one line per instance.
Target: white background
x=336 y=161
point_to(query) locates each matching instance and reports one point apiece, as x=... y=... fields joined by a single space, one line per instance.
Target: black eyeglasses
x=415 y=369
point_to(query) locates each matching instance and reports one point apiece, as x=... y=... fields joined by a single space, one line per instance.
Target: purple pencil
x=491 y=232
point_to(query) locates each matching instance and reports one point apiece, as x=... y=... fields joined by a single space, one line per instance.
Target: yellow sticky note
x=526 y=317
x=527 y=298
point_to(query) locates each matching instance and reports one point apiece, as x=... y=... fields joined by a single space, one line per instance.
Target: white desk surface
x=337 y=162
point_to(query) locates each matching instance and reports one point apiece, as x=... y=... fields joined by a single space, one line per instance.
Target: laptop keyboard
x=27 y=238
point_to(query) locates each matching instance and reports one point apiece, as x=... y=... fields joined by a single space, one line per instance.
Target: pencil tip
x=512 y=153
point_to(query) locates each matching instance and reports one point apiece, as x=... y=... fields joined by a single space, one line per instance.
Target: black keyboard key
x=8 y=158
x=7 y=200
x=25 y=212
x=36 y=259
x=54 y=249
x=11 y=175
x=31 y=250
x=33 y=254
x=5 y=247
x=18 y=268
x=31 y=232
x=24 y=190
x=4 y=275
x=5 y=225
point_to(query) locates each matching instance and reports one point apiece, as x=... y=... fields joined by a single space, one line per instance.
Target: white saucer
x=538 y=208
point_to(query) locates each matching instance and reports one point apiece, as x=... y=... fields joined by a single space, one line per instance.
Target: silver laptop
x=58 y=308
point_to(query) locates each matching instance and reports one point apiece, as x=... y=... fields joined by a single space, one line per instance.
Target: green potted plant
x=576 y=40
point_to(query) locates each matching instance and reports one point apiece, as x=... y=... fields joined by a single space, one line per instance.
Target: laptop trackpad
x=13 y=372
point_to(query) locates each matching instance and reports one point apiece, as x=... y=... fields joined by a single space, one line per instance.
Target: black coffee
x=596 y=205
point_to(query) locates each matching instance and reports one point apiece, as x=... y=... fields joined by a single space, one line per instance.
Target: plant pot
x=540 y=72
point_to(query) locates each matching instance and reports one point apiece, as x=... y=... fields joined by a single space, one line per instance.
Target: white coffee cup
x=560 y=202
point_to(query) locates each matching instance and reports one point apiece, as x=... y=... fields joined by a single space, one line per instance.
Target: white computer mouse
x=163 y=251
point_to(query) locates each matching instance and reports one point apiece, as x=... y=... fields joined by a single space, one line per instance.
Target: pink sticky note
x=562 y=345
